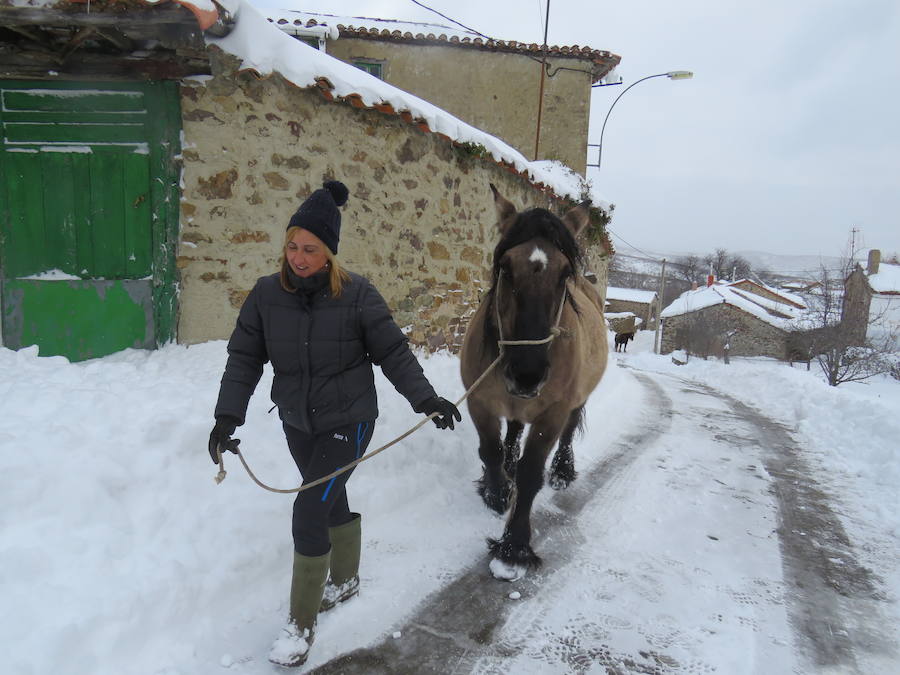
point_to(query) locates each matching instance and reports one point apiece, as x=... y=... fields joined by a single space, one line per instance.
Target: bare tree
x=725 y=265
x=690 y=268
x=718 y=263
x=836 y=334
x=705 y=334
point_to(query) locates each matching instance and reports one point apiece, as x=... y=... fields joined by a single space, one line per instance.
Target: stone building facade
x=706 y=331
x=494 y=86
x=419 y=223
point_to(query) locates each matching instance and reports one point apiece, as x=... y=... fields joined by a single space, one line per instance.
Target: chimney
x=693 y=285
x=710 y=278
x=874 y=261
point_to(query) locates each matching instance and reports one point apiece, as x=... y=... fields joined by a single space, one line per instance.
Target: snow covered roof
x=788 y=297
x=887 y=280
x=265 y=49
x=776 y=314
x=299 y=22
x=630 y=294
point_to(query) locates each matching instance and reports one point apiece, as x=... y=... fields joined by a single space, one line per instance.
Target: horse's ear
x=506 y=212
x=577 y=217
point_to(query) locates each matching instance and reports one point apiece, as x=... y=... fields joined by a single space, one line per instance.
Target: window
x=371 y=67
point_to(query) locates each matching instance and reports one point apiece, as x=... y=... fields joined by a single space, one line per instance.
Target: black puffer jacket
x=322 y=350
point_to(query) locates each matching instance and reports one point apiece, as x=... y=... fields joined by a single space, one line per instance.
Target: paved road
x=819 y=613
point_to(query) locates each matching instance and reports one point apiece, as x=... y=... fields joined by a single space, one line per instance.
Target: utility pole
x=540 y=112
x=662 y=289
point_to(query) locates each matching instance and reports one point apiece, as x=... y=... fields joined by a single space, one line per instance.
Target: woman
x=322 y=328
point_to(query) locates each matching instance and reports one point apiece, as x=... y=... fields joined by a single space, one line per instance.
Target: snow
x=390 y=25
x=757 y=305
x=887 y=280
x=629 y=294
x=121 y=555
x=52 y=275
x=261 y=46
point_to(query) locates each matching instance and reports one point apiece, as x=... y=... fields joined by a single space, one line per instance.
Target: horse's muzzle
x=524 y=387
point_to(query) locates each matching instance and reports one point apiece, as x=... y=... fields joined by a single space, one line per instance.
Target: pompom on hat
x=320 y=215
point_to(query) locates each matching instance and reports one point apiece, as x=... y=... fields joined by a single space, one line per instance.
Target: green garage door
x=89 y=212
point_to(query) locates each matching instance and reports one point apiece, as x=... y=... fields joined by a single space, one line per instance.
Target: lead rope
x=555 y=331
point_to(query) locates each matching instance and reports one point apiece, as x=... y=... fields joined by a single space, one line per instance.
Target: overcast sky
x=787 y=137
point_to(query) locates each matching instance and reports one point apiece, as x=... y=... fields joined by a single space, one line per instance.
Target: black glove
x=220 y=437
x=446 y=411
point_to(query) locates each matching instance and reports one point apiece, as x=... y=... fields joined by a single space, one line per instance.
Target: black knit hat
x=319 y=214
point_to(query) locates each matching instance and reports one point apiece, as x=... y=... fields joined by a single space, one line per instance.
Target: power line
x=491 y=39
x=650 y=255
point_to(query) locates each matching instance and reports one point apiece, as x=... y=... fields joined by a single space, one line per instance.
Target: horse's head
x=536 y=257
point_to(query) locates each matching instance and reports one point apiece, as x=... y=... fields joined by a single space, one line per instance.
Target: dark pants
x=325 y=505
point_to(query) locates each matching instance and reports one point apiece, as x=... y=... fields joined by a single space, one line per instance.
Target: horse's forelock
x=539 y=223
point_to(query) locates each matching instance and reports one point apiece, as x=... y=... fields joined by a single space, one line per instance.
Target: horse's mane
x=533 y=224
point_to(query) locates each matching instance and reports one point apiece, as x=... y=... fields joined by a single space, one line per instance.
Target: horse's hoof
x=559 y=482
x=508 y=555
x=505 y=571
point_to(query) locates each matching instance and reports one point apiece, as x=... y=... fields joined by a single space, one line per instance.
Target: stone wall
x=494 y=91
x=753 y=337
x=420 y=220
x=639 y=309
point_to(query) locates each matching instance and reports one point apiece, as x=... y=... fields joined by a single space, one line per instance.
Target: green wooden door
x=89 y=192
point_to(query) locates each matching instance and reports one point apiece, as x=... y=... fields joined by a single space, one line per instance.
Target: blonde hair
x=337 y=276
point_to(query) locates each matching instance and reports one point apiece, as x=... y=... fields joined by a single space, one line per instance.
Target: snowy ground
x=120 y=554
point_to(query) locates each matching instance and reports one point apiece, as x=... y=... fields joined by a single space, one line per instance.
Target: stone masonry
x=420 y=220
x=753 y=337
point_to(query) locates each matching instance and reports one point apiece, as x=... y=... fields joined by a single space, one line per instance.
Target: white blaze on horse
x=538 y=290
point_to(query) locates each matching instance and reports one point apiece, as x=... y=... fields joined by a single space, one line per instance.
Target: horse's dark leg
x=494 y=486
x=562 y=468
x=514 y=548
x=511 y=447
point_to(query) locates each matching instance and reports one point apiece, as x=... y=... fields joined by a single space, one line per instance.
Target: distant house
x=871 y=305
x=747 y=319
x=643 y=304
x=494 y=85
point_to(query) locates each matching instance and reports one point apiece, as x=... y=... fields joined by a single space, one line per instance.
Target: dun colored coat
x=537 y=265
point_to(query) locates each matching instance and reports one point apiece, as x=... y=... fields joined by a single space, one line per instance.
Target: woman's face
x=305 y=253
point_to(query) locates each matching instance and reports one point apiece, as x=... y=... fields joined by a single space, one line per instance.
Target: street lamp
x=672 y=75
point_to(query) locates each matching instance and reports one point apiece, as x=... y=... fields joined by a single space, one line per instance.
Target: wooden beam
x=47 y=16
x=34 y=65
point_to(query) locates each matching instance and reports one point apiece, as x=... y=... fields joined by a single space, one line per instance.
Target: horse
x=538 y=291
x=622 y=339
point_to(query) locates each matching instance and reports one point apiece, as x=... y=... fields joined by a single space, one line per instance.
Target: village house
x=494 y=85
x=644 y=305
x=871 y=304
x=152 y=153
x=744 y=318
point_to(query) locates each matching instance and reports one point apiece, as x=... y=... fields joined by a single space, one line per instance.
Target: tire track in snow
x=452 y=628
x=833 y=599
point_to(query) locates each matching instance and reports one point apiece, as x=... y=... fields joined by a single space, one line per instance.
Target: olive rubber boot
x=346 y=542
x=291 y=649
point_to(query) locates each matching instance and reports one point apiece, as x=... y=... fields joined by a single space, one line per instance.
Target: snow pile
x=887 y=280
x=121 y=555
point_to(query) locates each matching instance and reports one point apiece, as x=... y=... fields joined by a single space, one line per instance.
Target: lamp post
x=672 y=75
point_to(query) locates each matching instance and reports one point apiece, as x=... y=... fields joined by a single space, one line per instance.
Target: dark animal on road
x=622 y=339
x=537 y=281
